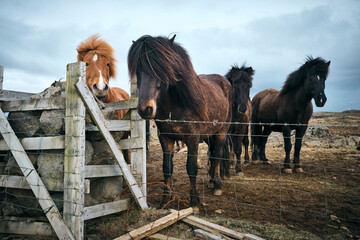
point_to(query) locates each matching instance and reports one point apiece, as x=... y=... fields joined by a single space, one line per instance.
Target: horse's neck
x=301 y=97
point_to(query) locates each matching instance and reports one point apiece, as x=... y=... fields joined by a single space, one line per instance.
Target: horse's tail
x=225 y=161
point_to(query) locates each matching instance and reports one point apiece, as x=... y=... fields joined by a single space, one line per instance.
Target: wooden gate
x=77 y=101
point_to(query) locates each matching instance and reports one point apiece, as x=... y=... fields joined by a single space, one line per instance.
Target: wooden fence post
x=1 y=77
x=138 y=129
x=74 y=163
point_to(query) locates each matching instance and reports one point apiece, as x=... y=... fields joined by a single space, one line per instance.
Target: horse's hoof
x=195 y=210
x=210 y=185
x=266 y=162
x=287 y=170
x=239 y=174
x=256 y=162
x=299 y=170
x=217 y=192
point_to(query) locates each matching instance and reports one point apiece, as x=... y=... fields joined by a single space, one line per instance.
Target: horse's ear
x=133 y=41
x=172 y=39
x=80 y=55
x=328 y=63
x=250 y=71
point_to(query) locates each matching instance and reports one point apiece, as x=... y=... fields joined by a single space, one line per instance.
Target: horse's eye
x=87 y=64
x=108 y=64
x=318 y=77
x=158 y=84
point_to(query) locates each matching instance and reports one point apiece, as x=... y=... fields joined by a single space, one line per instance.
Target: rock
x=52 y=122
x=106 y=189
x=89 y=200
x=51 y=168
x=12 y=168
x=89 y=151
x=102 y=154
x=25 y=124
x=21 y=202
x=319 y=132
x=10 y=209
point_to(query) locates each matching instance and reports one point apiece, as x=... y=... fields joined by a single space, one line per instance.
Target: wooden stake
x=156 y=225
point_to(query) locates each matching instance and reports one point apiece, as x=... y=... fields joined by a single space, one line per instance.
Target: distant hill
x=351 y=111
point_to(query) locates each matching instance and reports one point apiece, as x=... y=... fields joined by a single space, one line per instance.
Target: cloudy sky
x=38 y=38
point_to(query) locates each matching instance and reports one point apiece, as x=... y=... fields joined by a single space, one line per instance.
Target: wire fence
x=324 y=200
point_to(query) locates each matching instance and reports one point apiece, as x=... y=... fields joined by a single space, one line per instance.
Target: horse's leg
x=287 y=144
x=255 y=141
x=216 y=155
x=192 y=170
x=167 y=145
x=225 y=162
x=265 y=134
x=246 y=145
x=238 y=149
x=298 y=140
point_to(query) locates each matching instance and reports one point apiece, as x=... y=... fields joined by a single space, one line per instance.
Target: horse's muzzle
x=320 y=100
x=146 y=112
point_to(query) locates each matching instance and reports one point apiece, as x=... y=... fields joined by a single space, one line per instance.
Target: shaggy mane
x=296 y=78
x=97 y=46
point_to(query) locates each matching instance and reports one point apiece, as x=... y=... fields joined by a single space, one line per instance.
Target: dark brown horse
x=169 y=88
x=289 y=109
x=241 y=82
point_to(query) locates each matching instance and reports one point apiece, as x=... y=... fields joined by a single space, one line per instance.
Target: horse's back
x=217 y=82
x=117 y=94
x=217 y=92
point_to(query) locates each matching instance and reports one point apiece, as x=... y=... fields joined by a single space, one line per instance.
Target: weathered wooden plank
x=132 y=143
x=8 y=95
x=74 y=162
x=38 y=143
x=95 y=171
x=203 y=224
x=156 y=225
x=10 y=181
x=125 y=104
x=112 y=125
x=158 y=236
x=138 y=129
x=138 y=156
x=98 y=119
x=201 y=234
x=1 y=77
x=106 y=209
x=32 y=177
x=26 y=228
x=34 y=104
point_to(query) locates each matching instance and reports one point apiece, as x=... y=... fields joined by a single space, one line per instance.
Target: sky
x=39 y=38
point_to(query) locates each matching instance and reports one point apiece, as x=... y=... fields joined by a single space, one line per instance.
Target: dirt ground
x=324 y=200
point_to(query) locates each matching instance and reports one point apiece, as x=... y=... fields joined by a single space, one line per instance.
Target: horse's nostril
x=95 y=86
x=149 y=110
x=106 y=87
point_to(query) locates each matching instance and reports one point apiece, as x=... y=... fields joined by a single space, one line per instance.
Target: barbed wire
x=280 y=184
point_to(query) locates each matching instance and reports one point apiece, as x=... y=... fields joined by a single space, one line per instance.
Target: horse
x=186 y=106
x=100 y=62
x=289 y=109
x=241 y=82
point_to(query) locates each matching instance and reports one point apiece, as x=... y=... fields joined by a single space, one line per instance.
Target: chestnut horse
x=186 y=106
x=100 y=62
x=288 y=109
x=241 y=82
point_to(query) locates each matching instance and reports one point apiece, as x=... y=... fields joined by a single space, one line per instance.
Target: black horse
x=288 y=109
x=199 y=106
x=241 y=82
